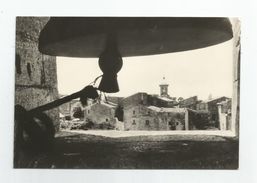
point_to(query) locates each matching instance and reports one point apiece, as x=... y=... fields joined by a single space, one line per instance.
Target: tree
x=78 y=113
x=180 y=99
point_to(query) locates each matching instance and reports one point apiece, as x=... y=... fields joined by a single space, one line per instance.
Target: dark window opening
x=149 y=112
x=134 y=122
x=43 y=79
x=88 y=111
x=18 y=64
x=147 y=122
x=134 y=112
x=29 y=69
x=106 y=119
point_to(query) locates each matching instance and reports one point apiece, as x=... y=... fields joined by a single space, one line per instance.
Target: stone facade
x=136 y=99
x=35 y=76
x=142 y=117
x=190 y=103
x=115 y=100
x=148 y=100
x=101 y=113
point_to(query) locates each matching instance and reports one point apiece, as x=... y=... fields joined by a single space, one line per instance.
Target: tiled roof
x=109 y=104
x=164 y=109
x=216 y=98
x=165 y=99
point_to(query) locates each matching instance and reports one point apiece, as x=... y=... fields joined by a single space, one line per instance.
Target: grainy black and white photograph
x=127 y=93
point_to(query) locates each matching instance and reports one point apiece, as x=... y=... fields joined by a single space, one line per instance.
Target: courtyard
x=140 y=150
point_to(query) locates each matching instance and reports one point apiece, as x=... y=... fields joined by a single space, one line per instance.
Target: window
x=149 y=112
x=134 y=112
x=18 y=64
x=106 y=119
x=134 y=122
x=29 y=69
x=147 y=122
x=88 y=111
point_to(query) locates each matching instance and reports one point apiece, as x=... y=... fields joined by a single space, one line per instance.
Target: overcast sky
x=199 y=72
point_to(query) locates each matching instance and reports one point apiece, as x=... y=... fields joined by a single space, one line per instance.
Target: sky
x=198 y=72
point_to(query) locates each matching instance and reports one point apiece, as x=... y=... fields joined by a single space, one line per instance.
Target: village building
x=211 y=106
x=143 y=117
x=190 y=103
x=114 y=99
x=142 y=111
x=142 y=98
x=102 y=115
x=164 y=92
x=153 y=112
x=72 y=109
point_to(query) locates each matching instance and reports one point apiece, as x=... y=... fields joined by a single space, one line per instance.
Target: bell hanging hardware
x=38 y=126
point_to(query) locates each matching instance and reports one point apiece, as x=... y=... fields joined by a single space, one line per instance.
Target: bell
x=130 y=36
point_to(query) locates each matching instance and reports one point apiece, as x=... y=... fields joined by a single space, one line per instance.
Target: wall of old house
x=136 y=99
x=190 y=103
x=35 y=73
x=155 y=101
x=138 y=118
x=142 y=118
x=65 y=109
x=115 y=100
x=100 y=113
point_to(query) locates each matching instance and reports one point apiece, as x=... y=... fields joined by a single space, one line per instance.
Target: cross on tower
x=164 y=88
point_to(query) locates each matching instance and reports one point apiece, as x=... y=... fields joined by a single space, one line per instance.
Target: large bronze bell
x=130 y=36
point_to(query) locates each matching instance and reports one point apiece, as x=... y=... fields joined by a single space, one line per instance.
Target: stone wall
x=144 y=118
x=35 y=76
x=138 y=118
x=99 y=114
x=138 y=98
x=190 y=103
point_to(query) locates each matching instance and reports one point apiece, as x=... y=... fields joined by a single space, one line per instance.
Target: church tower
x=164 y=88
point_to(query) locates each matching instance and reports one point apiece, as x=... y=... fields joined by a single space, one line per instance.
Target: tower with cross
x=164 y=88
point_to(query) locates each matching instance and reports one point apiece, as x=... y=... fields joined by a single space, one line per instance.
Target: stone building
x=101 y=114
x=189 y=103
x=146 y=99
x=68 y=109
x=153 y=112
x=115 y=100
x=143 y=117
x=35 y=73
x=135 y=99
x=164 y=89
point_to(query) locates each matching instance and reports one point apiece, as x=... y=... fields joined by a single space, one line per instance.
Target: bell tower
x=164 y=88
